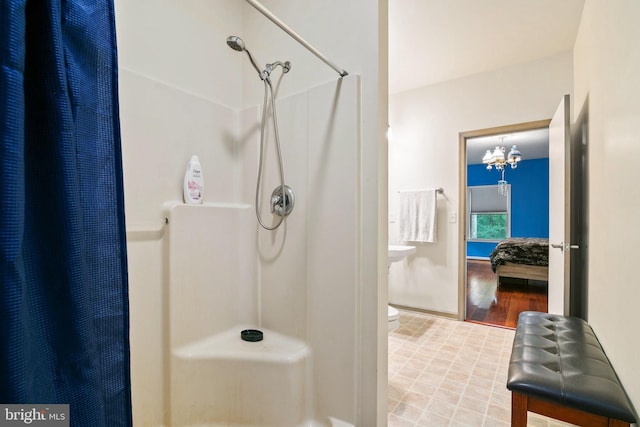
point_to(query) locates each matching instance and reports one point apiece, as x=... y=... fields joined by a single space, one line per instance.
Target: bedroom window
x=489 y=213
x=488 y=226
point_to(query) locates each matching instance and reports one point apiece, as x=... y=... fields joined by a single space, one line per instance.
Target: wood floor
x=500 y=306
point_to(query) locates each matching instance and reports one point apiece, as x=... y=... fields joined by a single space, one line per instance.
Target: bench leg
x=518 y=410
x=520 y=404
x=617 y=423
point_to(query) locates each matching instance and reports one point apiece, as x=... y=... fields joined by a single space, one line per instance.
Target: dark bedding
x=529 y=251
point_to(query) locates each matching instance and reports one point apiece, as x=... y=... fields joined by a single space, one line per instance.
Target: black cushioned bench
x=558 y=369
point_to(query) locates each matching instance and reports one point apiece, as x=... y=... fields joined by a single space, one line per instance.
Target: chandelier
x=496 y=158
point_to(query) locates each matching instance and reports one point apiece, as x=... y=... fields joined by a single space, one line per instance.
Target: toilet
x=396 y=253
x=393 y=318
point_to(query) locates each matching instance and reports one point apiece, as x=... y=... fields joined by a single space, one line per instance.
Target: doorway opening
x=520 y=210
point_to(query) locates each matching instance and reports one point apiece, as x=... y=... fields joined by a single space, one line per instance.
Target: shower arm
x=260 y=8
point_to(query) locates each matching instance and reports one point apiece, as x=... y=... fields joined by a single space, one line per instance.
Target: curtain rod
x=260 y=8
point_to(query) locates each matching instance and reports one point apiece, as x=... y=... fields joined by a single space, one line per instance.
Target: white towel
x=417 y=219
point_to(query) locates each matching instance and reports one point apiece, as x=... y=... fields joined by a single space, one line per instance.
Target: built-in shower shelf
x=222 y=380
x=274 y=347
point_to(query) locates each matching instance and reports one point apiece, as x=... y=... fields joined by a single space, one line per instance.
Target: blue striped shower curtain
x=64 y=319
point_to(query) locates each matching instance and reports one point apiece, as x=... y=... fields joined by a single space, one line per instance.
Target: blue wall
x=529 y=200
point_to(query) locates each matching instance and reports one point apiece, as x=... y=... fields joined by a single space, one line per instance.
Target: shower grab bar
x=147 y=231
x=260 y=8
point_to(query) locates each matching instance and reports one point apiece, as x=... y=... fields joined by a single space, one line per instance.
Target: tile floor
x=444 y=372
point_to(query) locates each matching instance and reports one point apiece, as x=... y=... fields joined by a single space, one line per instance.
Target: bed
x=521 y=258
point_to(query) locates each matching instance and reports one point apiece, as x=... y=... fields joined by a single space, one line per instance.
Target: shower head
x=236 y=43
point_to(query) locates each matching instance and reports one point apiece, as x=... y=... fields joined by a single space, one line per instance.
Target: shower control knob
x=279 y=206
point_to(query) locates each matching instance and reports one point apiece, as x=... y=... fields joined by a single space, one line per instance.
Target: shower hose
x=268 y=90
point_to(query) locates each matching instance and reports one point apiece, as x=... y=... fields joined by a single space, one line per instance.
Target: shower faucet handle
x=280 y=207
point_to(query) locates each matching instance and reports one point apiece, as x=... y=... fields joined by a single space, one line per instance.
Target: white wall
x=607 y=66
x=181 y=93
x=182 y=44
x=426 y=123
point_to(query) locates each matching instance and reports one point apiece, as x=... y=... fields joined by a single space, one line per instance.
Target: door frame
x=462 y=198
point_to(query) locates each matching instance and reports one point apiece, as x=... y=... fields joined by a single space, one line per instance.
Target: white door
x=559 y=209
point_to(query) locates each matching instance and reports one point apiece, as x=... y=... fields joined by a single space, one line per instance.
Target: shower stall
x=227 y=275
x=210 y=272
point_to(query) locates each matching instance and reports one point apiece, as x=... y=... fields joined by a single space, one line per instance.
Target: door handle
x=564 y=247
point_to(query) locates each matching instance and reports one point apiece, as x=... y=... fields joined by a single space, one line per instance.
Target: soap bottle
x=193 y=182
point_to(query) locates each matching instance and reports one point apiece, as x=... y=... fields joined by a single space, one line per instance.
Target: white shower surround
x=216 y=378
x=226 y=273
x=321 y=240
x=183 y=92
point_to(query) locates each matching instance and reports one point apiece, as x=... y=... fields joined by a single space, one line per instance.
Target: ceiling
x=432 y=41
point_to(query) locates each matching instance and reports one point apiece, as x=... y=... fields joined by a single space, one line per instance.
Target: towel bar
x=439 y=190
